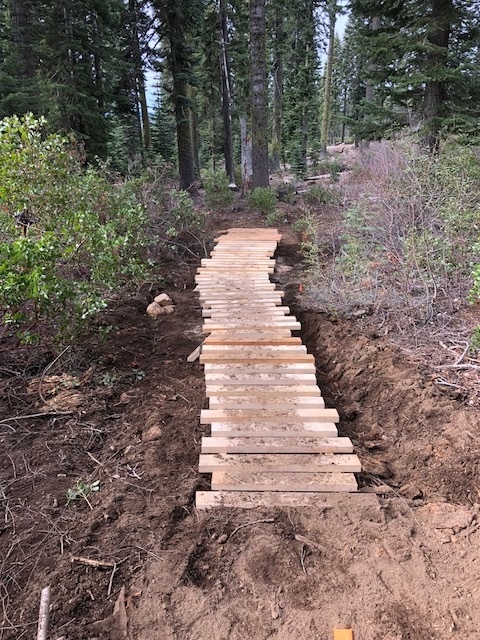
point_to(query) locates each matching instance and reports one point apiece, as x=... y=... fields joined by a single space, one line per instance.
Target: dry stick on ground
x=248 y=524
x=311 y=543
x=91 y=562
x=45 y=371
x=43 y=614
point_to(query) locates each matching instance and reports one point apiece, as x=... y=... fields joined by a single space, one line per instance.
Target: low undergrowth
x=409 y=246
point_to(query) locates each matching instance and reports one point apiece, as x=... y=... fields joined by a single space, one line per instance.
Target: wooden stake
x=43 y=614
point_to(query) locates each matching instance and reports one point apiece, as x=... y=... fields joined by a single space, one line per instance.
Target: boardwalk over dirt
x=272 y=440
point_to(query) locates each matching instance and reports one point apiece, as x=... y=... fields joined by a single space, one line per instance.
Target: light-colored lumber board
x=195 y=354
x=255 y=444
x=251 y=324
x=268 y=391
x=259 y=429
x=279 y=462
x=256 y=357
x=245 y=312
x=207 y=416
x=254 y=368
x=271 y=481
x=259 y=348
x=261 y=380
x=277 y=402
x=205 y=500
x=251 y=340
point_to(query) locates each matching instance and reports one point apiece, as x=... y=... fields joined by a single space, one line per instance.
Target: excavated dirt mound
x=122 y=407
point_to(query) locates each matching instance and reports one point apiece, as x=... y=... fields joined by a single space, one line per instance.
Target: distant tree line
x=272 y=70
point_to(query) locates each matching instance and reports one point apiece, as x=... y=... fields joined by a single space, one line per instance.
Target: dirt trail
x=400 y=566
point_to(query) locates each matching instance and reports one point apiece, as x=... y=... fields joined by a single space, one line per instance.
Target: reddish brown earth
x=402 y=565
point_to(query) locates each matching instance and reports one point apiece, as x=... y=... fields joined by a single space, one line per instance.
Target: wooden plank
x=277 y=402
x=258 y=348
x=271 y=481
x=249 y=369
x=256 y=444
x=272 y=499
x=251 y=340
x=252 y=357
x=261 y=380
x=258 y=391
x=251 y=324
x=195 y=354
x=259 y=429
x=279 y=462
x=207 y=416
x=245 y=312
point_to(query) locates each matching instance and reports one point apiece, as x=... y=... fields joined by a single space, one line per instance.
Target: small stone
x=154 y=310
x=154 y=433
x=167 y=310
x=223 y=538
x=163 y=300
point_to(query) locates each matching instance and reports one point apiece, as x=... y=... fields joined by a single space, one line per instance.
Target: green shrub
x=217 y=190
x=318 y=194
x=181 y=214
x=67 y=235
x=262 y=199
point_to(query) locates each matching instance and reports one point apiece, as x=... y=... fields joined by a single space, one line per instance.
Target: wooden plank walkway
x=272 y=442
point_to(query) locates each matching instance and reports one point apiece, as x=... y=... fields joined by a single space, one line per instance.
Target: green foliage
x=262 y=199
x=82 y=490
x=182 y=214
x=412 y=234
x=318 y=194
x=474 y=342
x=67 y=235
x=216 y=187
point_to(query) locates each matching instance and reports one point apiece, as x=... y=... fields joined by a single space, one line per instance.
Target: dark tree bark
x=258 y=82
x=226 y=95
x=174 y=18
x=327 y=92
x=277 y=93
x=438 y=37
x=139 y=75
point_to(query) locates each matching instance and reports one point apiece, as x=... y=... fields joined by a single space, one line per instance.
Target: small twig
x=460 y=358
x=47 y=368
x=311 y=543
x=458 y=366
x=248 y=524
x=37 y=415
x=110 y=582
x=100 y=464
x=91 y=562
x=302 y=558
x=43 y=614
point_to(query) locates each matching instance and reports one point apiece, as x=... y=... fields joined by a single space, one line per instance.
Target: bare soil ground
x=124 y=410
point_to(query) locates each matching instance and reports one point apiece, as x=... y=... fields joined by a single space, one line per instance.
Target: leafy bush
x=408 y=245
x=182 y=214
x=216 y=187
x=262 y=199
x=318 y=194
x=67 y=234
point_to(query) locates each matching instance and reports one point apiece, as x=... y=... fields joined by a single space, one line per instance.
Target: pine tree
x=258 y=83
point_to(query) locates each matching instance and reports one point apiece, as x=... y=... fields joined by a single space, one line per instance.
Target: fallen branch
x=90 y=562
x=43 y=614
x=310 y=543
x=37 y=415
x=249 y=524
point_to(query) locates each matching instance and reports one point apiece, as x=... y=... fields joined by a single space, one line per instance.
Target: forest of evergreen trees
x=277 y=67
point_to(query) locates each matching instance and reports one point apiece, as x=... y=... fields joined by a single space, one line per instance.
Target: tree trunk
x=226 y=96
x=139 y=75
x=438 y=37
x=258 y=81
x=277 y=93
x=246 y=146
x=19 y=16
x=327 y=91
x=369 y=89
x=186 y=162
